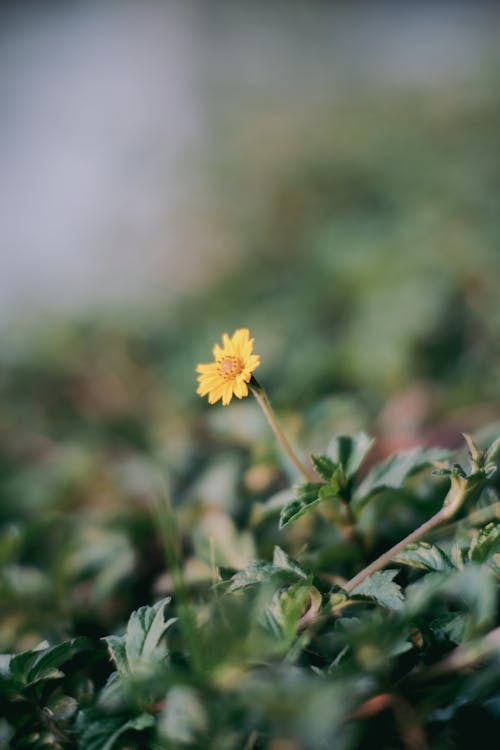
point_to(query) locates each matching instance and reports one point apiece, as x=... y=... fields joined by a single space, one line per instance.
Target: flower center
x=229 y=367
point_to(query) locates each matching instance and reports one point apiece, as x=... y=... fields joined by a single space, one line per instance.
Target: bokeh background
x=327 y=174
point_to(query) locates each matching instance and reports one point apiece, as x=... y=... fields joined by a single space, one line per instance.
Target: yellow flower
x=232 y=369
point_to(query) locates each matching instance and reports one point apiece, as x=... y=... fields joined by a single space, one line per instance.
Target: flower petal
x=240 y=389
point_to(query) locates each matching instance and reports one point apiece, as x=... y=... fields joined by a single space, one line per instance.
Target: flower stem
x=452 y=503
x=264 y=404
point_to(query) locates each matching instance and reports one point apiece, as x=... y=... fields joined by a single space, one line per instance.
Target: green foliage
x=277 y=649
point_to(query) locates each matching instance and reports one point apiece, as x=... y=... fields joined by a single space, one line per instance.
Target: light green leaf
x=140 y=650
x=116 y=647
x=145 y=628
x=425 y=556
x=285 y=610
x=381 y=588
x=184 y=717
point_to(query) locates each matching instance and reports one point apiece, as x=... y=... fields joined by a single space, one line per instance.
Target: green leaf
x=184 y=717
x=43 y=663
x=140 y=650
x=349 y=451
x=282 y=570
x=381 y=588
x=492 y=457
x=393 y=472
x=257 y=572
x=98 y=732
x=282 y=561
x=474 y=589
x=424 y=556
x=283 y=614
x=117 y=651
x=486 y=543
x=307 y=497
x=324 y=467
x=62 y=707
x=449 y=627
x=144 y=631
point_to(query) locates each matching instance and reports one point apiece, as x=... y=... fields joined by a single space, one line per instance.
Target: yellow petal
x=240 y=389
x=228 y=394
x=252 y=362
x=216 y=394
x=211 y=367
x=242 y=343
x=217 y=352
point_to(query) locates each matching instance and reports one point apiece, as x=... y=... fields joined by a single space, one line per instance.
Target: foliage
x=280 y=650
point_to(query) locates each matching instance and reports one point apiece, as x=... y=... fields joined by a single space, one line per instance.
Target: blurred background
x=327 y=174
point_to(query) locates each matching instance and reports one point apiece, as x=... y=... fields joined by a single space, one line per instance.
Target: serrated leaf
x=486 y=543
x=307 y=497
x=381 y=588
x=349 y=451
x=145 y=629
x=393 y=472
x=282 y=570
x=257 y=572
x=116 y=647
x=324 y=467
x=425 y=556
x=283 y=561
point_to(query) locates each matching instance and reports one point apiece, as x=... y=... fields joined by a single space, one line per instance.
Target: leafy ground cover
x=166 y=581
